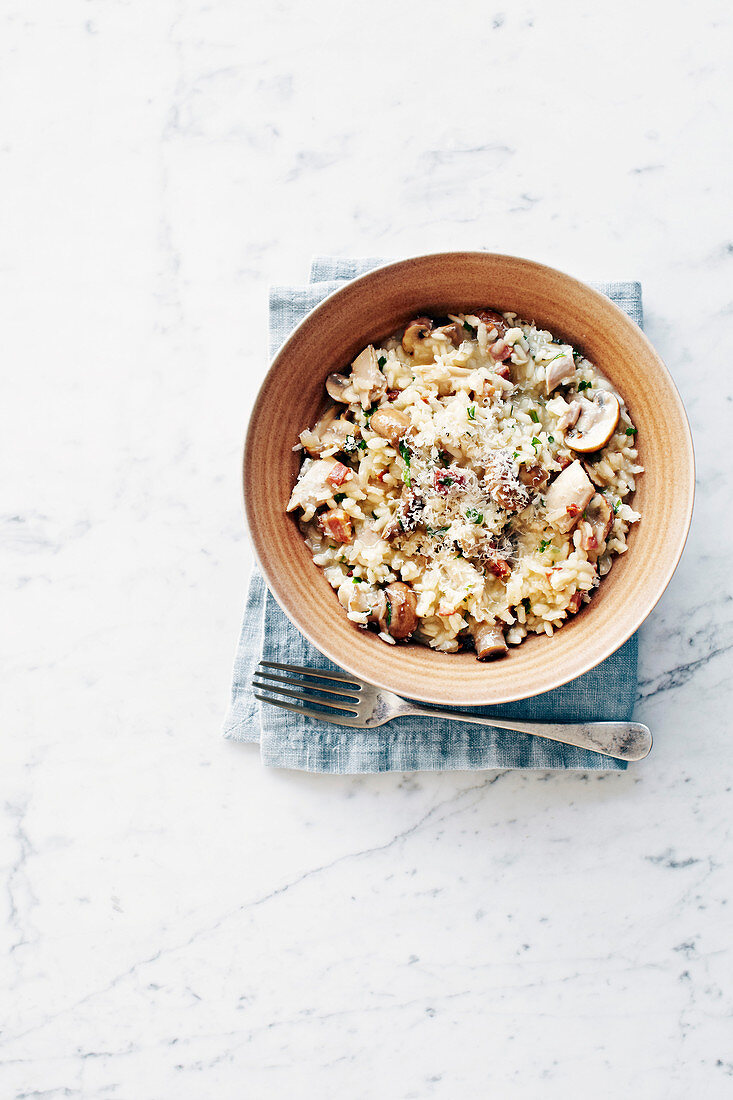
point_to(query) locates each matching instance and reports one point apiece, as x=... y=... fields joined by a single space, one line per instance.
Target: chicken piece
x=396 y=612
x=566 y=412
x=488 y=638
x=336 y=525
x=312 y=487
x=568 y=496
x=560 y=369
x=391 y=424
x=330 y=431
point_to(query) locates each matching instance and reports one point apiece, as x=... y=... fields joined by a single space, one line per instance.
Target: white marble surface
x=180 y=922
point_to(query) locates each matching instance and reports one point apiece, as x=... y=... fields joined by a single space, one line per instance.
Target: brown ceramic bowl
x=375 y=306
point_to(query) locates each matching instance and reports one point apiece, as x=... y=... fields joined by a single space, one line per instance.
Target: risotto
x=468 y=483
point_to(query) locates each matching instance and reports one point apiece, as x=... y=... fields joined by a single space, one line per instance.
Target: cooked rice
x=445 y=487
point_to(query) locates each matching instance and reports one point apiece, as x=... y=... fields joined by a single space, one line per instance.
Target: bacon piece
x=336 y=525
x=338 y=475
x=444 y=479
x=575 y=603
x=500 y=568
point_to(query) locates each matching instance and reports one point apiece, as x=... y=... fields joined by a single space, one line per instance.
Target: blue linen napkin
x=288 y=740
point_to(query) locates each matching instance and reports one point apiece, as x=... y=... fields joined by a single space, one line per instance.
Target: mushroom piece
x=367 y=379
x=596 y=423
x=417 y=331
x=488 y=639
x=339 y=387
x=366 y=384
x=492 y=319
x=391 y=424
x=568 y=496
x=453 y=332
x=560 y=369
x=595 y=526
x=329 y=431
x=414 y=339
x=534 y=477
x=395 y=610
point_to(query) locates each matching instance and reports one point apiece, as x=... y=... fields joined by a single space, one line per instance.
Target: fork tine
x=336 y=719
x=322 y=674
x=348 y=707
x=291 y=682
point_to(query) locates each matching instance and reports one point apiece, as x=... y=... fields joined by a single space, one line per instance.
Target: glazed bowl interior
x=373 y=307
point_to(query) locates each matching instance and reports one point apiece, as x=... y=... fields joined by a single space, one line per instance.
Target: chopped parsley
x=616 y=507
x=474 y=515
x=516 y=454
x=432 y=531
x=550 y=439
x=350 y=444
x=469 y=328
x=361 y=444
x=471 y=413
x=405 y=452
x=533 y=416
x=631 y=431
x=357 y=580
x=536 y=442
x=577 y=356
x=544 y=543
x=559 y=355
x=526 y=604
x=339 y=497
x=388 y=616
x=381 y=361
x=583 y=386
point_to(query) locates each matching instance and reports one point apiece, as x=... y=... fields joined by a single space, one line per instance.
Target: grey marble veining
x=178 y=921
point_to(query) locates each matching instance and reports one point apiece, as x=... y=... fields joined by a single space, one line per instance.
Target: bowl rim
x=344 y=661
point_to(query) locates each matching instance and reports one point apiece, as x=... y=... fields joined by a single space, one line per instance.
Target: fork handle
x=622 y=740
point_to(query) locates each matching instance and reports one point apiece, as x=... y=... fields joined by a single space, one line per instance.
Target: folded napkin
x=289 y=740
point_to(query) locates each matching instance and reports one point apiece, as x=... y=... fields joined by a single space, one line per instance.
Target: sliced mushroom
x=330 y=431
x=391 y=424
x=417 y=331
x=488 y=639
x=534 y=477
x=339 y=387
x=395 y=610
x=568 y=496
x=594 y=528
x=492 y=319
x=367 y=379
x=503 y=484
x=453 y=332
x=596 y=423
x=560 y=369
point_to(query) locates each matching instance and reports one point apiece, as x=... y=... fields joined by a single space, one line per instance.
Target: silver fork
x=346 y=701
